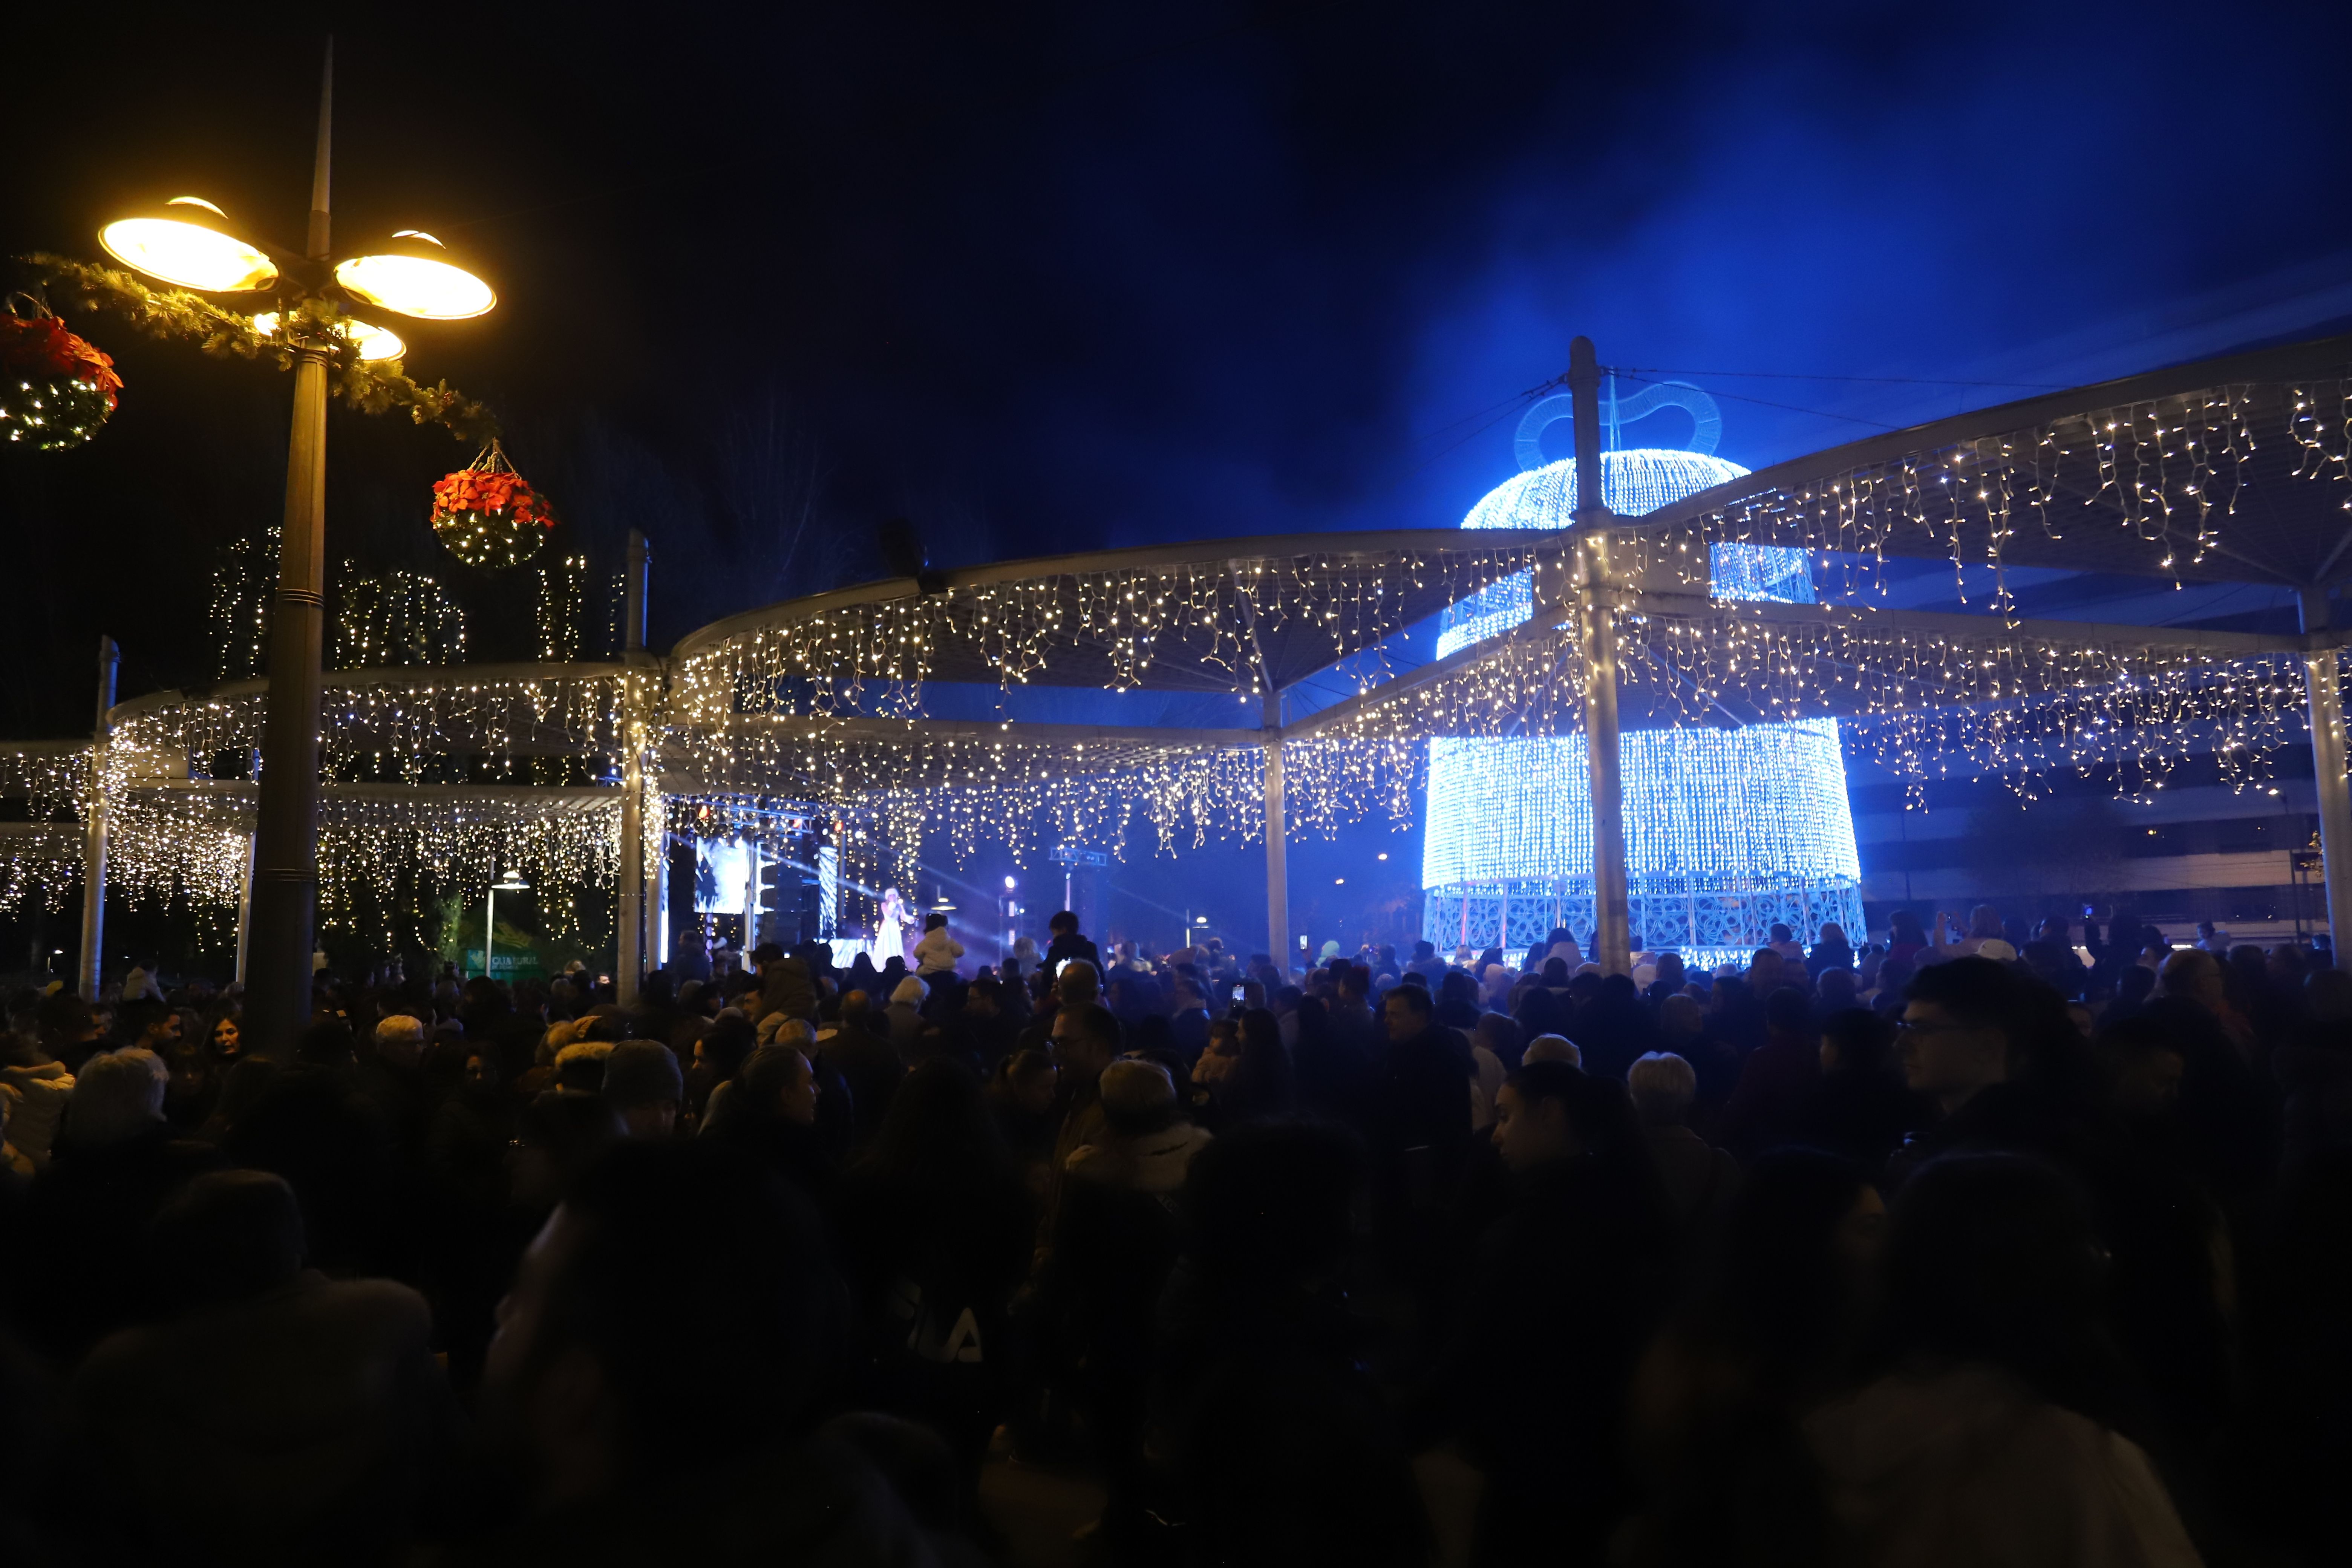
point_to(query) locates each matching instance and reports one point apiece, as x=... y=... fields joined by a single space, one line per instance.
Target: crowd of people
x=1973 y=1244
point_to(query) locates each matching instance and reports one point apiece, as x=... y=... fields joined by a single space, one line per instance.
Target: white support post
x=631 y=968
x=660 y=922
x=94 y=827
x=2324 y=686
x=1277 y=848
x=752 y=910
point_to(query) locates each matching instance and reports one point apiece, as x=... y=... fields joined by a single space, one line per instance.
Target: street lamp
x=509 y=881
x=189 y=242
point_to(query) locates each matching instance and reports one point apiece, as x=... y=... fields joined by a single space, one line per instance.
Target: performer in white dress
x=890 y=930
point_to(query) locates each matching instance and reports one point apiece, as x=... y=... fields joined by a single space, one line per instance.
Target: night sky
x=1047 y=277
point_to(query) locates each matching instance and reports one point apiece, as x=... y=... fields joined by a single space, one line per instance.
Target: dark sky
x=1039 y=277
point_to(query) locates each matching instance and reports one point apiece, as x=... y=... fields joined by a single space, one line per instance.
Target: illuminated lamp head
x=187 y=241
x=412 y=273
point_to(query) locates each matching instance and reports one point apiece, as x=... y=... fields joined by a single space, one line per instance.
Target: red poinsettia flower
x=41 y=346
x=491 y=493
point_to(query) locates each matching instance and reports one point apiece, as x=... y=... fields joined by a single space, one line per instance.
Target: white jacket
x=1967 y=1466
x=937 y=953
x=1154 y=1163
x=42 y=1091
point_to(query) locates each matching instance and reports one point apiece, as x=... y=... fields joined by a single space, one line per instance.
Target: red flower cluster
x=490 y=491
x=39 y=348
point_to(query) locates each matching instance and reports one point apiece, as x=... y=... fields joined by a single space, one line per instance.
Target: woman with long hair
x=224 y=1041
x=1264 y=1083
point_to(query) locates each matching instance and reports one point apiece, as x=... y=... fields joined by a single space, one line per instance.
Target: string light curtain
x=2242 y=479
x=396 y=617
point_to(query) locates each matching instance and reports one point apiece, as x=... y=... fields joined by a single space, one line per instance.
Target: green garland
x=376 y=386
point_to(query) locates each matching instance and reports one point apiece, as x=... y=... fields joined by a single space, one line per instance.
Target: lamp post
x=189 y=242
x=509 y=881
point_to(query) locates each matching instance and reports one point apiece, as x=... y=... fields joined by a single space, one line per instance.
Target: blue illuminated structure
x=1727 y=831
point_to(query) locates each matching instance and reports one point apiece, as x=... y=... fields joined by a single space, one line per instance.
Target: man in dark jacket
x=1068 y=944
x=1423 y=1095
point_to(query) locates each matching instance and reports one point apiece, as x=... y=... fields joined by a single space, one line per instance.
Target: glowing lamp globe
x=186 y=241
x=368 y=341
x=412 y=274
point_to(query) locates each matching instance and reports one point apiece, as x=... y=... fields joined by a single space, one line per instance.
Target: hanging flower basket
x=55 y=390
x=488 y=515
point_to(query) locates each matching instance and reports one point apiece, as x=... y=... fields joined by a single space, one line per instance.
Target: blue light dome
x=1631 y=482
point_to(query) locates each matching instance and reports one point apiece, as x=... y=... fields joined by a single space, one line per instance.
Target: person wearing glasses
x=2004 y=1066
x=1964 y=1030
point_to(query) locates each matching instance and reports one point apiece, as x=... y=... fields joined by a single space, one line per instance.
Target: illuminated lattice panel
x=1728 y=830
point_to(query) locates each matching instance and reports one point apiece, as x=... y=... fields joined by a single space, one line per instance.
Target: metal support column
x=93 y=845
x=1597 y=638
x=2324 y=689
x=632 y=913
x=1277 y=848
x=286 y=834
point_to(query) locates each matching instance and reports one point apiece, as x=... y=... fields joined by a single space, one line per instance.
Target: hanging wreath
x=488 y=515
x=55 y=390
